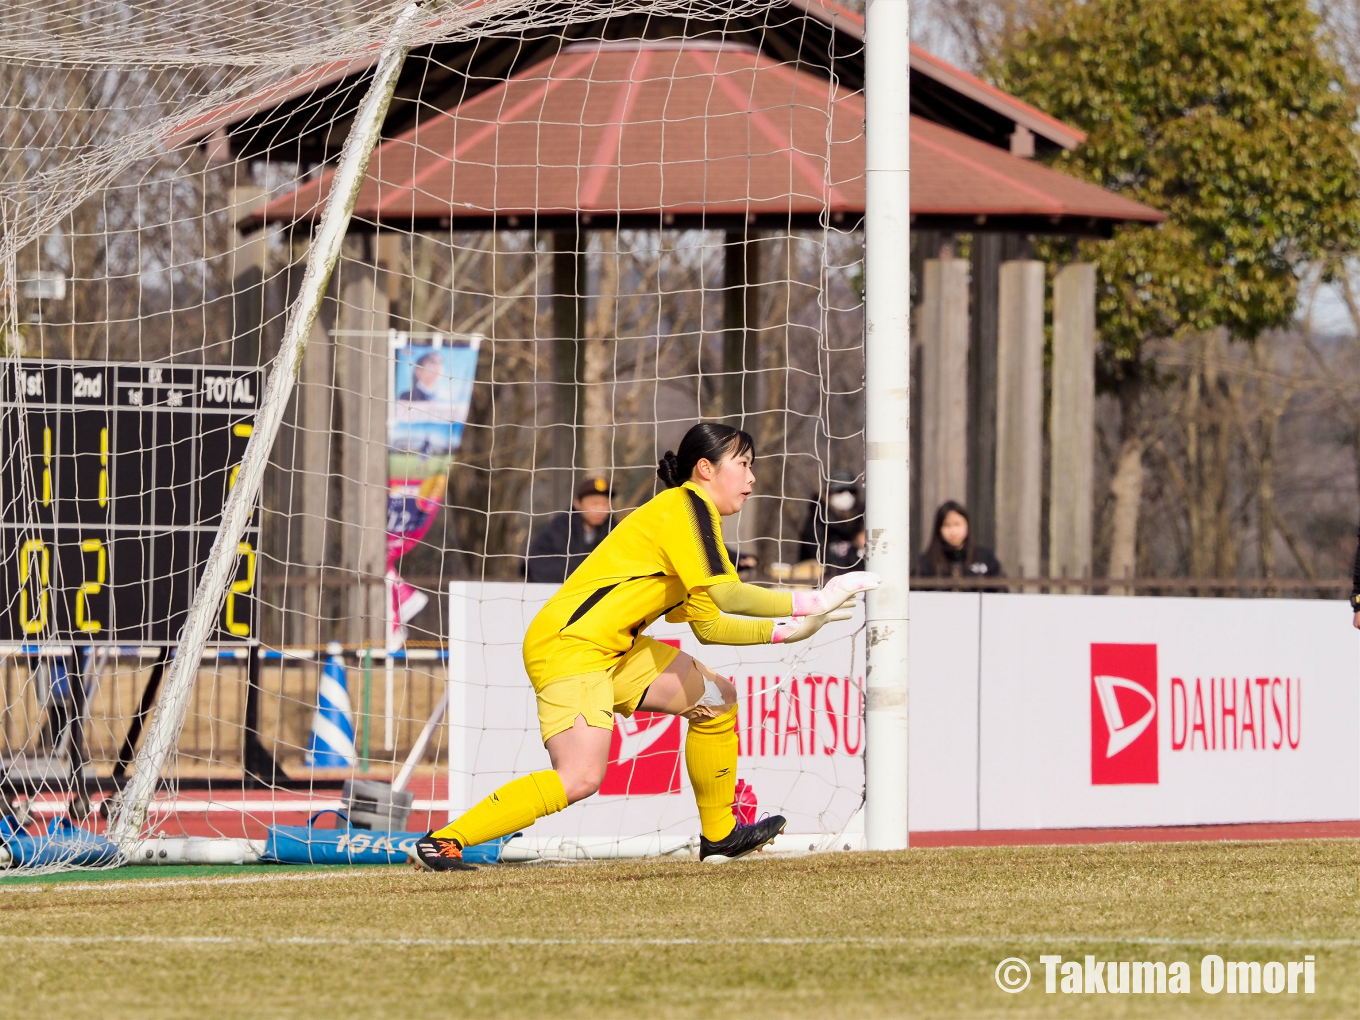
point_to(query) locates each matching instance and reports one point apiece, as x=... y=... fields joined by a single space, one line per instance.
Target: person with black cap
x=570 y=537
x=833 y=533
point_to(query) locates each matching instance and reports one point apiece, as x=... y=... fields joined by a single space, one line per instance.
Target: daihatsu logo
x=1123 y=711
x=1122 y=734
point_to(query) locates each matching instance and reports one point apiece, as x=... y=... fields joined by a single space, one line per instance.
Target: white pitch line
x=151 y=882
x=887 y=942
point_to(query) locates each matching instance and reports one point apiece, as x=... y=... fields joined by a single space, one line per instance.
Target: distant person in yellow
x=587 y=655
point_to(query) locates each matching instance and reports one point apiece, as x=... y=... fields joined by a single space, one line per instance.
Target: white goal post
x=887 y=354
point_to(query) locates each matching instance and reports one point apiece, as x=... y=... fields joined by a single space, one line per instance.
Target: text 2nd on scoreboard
x=113 y=476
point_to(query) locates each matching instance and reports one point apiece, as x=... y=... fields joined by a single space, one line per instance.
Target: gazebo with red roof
x=750 y=123
x=686 y=133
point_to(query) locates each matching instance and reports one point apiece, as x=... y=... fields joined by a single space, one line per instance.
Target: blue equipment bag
x=62 y=843
x=304 y=844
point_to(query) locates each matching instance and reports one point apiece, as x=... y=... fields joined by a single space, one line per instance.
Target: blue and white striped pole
x=331 y=745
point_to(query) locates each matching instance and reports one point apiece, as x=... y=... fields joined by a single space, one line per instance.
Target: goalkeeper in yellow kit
x=588 y=658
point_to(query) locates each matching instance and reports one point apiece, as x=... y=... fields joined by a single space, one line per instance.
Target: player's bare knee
x=713 y=695
x=581 y=783
x=583 y=779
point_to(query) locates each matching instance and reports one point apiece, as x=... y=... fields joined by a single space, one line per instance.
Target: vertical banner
x=429 y=391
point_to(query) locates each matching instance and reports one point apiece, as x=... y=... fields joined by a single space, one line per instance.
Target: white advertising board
x=1102 y=711
x=1026 y=712
x=943 y=711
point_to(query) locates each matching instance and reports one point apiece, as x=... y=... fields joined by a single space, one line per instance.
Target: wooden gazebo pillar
x=337 y=502
x=943 y=334
x=1072 y=422
x=741 y=350
x=568 y=360
x=1018 y=506
x=361 y=366
x=990 y=249
x=248 y=255
x=984 y=279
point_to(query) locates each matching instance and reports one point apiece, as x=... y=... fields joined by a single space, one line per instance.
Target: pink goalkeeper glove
x=838 y=591
x=802 y=628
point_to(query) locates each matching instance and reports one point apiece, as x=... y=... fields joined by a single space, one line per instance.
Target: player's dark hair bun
x=709 y=440
x=668 y=470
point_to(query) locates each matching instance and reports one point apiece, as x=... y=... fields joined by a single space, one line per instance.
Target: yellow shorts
x=597 y=696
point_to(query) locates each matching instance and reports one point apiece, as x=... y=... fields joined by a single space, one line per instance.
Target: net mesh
x=588 y=226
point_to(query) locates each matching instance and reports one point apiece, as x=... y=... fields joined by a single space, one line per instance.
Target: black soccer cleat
x=434 y=853
x=743 y=840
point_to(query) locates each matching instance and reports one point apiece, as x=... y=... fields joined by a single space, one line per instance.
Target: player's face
x=729 y=482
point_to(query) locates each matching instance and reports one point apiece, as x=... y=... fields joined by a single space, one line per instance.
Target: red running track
x=248 y=814
x=1139 y=834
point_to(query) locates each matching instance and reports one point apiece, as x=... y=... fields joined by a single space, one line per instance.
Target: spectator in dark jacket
x=1355 y=589
x=570 y=537
x=953 y=553
x=833 y=533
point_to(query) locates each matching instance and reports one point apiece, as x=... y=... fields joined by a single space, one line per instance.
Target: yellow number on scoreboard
x=33 y=545
x=103 y=467
x=93 y=545
x=241 y=587
x=47 y=467
x=241 y=431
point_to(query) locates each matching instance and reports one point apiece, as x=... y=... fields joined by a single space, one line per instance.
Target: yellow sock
x=711 y=759
x=516 y=805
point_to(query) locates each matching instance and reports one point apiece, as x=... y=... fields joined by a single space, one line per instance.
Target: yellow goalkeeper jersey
x=658 y=561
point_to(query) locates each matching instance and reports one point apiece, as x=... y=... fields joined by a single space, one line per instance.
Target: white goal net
x=583 y=226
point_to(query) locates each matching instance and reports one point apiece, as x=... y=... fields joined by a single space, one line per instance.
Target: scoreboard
x=113 y=476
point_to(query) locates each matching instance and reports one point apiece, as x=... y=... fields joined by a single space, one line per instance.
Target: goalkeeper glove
x=838 y=591
x=800 y=628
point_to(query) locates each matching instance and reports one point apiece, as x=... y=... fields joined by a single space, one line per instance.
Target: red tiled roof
x=852 y=23
x=682 y=128
x=954 y=175
x=838 y=17
x=196 y=129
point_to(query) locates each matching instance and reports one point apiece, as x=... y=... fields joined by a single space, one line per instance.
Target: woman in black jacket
x=952 y=552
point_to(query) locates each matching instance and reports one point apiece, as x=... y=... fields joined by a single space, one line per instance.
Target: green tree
x=1227 y=116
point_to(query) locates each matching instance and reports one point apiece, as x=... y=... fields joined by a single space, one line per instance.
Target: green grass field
x=918 y=933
